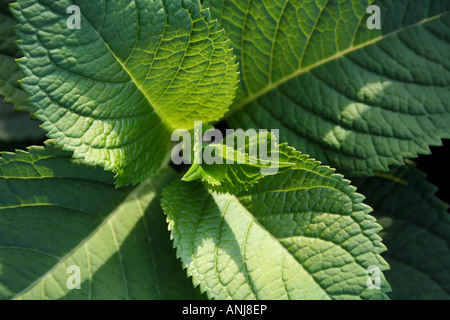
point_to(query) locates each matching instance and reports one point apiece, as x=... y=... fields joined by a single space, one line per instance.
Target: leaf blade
x=301 y=234
x=239 y=161
x=389 y=96
x=59 y=212
x=143 y=77
x=416 y=230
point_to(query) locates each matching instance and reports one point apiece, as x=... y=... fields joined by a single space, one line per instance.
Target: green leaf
x=15 y=126
x=416 y=230
x=358 y=99
x=56 y=212
x=301 y=234
x=10 y=73
x=114 y=90
x=235 y=170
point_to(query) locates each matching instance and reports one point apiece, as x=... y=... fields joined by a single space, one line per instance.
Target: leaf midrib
x=273 y=86
x=253 y=219
x=139 y=87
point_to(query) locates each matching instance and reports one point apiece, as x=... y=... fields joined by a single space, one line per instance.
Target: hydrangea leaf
x=358 y=99
x=114 y=90
x=301 y=234
x=235 y=169
x=416 y=230
x=56 y=212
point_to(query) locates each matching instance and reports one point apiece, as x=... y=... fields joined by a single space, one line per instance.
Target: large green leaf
x=416 y=231
x=56 y=212
x=301 y=234
x=9 y=71
x=114 y=90
x=358 y=99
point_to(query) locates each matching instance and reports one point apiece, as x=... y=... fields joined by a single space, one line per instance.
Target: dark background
x=436 y=166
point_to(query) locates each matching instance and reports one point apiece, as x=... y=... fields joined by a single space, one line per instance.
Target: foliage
x=101 y=195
